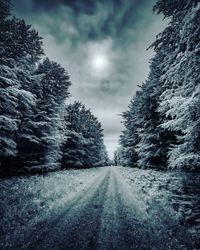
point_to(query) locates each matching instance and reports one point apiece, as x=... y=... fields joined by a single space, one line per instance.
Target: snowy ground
x=102 y=208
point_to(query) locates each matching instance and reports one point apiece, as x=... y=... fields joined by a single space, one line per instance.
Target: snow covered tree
x=35 y=132
x=73 y=147
x=51 y=89
x=20 y=48
x=153 y=141
x=180 y=100
x=144 y=143
x=129 y=138
x=84 y=138
x=172 y=7
x=118 y=157
x=105 y=161
x=165 y=119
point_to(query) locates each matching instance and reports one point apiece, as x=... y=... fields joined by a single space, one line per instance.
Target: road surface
x=104 y=215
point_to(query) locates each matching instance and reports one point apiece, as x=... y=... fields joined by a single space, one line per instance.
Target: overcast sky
x=102 y=45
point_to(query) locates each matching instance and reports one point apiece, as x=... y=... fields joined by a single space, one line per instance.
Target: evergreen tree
x=129 y=138
x=51 y=88
x=35 y=131
x=179 y=102
x=105 y=161
x=84 y=138
x=162 y=125
x=118 y=157
x=19 y=46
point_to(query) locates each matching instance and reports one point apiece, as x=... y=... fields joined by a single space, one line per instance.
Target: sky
x=102 y=45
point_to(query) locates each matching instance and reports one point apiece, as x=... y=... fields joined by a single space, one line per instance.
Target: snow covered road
x=103 y=211
x=95 y=219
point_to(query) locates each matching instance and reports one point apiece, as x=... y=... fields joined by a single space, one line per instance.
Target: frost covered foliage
x=20 y=49
x=28 y=202
x=33 y=91
x=83 y=145
x=31 y=96
x=51 y=88
x=118 y=158
x=181 y=97
x=171 y=201
x=163 y=120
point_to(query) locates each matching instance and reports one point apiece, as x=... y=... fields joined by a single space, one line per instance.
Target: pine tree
x=129 y=138
x=73 y=147
x=51 y=88
x=165 y=121
x=105 y=161
x=35 y=131
x=118 y=157
x=180 y=99
x=84 y=138
x=19 y=46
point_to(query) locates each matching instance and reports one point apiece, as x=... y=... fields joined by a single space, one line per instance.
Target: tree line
x=162 y=123
x=38 y=130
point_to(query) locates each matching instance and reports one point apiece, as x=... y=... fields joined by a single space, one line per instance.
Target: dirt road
x=102 y=216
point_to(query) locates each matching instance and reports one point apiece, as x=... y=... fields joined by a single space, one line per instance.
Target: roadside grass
x=27 y=200
x=170 y=200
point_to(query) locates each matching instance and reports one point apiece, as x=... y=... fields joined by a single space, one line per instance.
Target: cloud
x=76 y=32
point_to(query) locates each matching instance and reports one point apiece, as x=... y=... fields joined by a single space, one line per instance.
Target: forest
x=162 y=123
x=59 y=189
x=39 y=132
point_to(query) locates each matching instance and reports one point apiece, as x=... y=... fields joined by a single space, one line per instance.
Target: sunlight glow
x=100 y=62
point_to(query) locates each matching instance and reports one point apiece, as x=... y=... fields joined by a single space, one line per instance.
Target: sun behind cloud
x=100 y=58
x=100 y=62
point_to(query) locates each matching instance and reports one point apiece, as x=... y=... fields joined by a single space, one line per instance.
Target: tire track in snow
x=106 y=216
x=77 y=224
